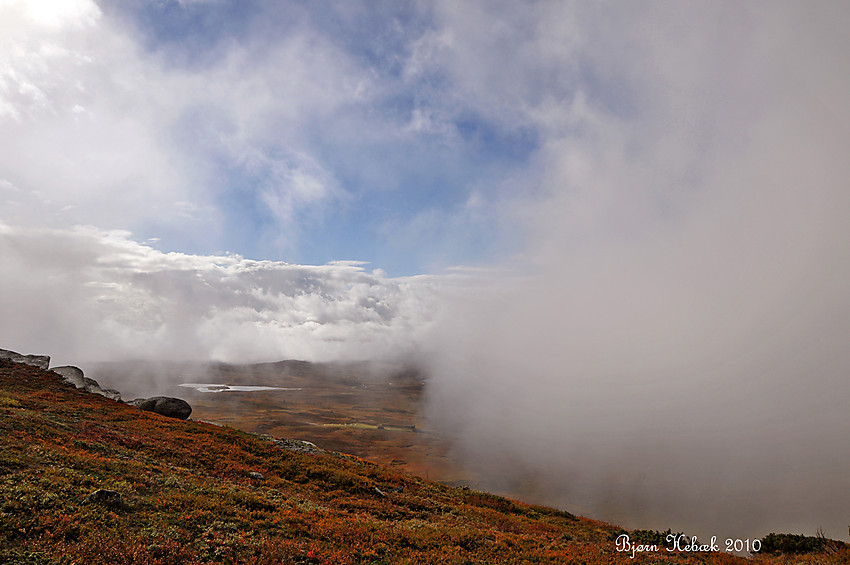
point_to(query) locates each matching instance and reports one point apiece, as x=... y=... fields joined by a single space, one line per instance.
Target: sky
x=287 y=131
x=615 y=234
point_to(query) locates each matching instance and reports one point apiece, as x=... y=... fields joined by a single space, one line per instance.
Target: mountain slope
x=191 y=492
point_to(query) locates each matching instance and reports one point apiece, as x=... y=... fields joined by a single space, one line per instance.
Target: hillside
x=373 y=413
x=192 y=492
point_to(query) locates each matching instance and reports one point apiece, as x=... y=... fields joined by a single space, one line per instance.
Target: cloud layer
x=84 y=294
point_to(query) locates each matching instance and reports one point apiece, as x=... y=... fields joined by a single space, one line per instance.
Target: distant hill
x=88 y=480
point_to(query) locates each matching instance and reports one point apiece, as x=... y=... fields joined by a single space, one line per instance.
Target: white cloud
x=106 y=126
x=84 y=121
x=86 y=294
x=293 y=185
x=505 y=68
x=95 y=130
x=54 y=14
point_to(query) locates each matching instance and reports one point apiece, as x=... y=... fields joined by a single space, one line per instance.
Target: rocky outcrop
x=75 y=376
x=40 y=361
x=164 y=405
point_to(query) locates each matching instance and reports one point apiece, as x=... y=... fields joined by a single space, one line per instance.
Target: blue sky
x=410 y=136
x=210 y=139
x=397 y=196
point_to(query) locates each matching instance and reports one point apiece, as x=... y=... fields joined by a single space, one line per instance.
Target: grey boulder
x=165 y=405
x=111 y=393
x=75 y=376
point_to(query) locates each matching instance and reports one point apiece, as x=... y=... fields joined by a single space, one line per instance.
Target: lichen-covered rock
x=165 y=405
x=111 y=393
x=92 y=385
x=71 y=374
x=75 y=376
x=40 y=361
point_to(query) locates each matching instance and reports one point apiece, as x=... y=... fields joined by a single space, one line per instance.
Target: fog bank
x=679 y=357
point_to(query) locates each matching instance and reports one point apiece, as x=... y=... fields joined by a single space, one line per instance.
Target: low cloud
x=676 y=354
x=84 y=294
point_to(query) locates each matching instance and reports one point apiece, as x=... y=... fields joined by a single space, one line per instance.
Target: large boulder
x=40 y=361
x=71 y=374
x=165 y=405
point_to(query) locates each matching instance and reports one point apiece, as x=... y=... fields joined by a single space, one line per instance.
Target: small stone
x=106 y=497
x=297 y=445
x=256 y=475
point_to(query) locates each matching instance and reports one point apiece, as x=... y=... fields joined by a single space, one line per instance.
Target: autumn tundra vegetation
x=87 y=480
